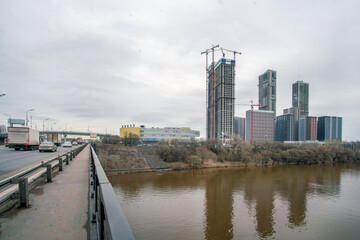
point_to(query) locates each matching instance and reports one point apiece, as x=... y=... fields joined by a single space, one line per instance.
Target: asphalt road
x=59 y=210
x=12 y=161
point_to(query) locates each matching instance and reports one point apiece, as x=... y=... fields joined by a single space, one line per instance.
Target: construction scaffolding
x=220 y=94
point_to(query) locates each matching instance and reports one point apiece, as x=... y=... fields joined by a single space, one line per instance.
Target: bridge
x=63 y=195
x=65 y=133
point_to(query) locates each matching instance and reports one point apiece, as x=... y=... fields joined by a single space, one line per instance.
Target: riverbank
x=125 y=159
x=177 y=166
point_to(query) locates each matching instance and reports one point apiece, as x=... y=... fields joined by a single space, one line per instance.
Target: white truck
x=55 y=138
x=23 y=138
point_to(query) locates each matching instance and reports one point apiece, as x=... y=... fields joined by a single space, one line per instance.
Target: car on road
x=67 y=144
x=74 y=143
x=47 y=147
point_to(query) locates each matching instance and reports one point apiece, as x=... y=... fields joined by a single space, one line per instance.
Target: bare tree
x=111 y=139
x=131 y=139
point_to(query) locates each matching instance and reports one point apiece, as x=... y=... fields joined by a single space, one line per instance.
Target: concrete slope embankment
x=121 y=158
x=152 y=159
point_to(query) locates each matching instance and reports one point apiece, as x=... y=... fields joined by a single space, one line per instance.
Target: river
x=280 y=202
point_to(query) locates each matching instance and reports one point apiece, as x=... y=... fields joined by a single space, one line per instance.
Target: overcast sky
x=103 y=64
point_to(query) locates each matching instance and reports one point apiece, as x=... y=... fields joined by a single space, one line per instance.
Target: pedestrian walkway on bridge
x=58 y=210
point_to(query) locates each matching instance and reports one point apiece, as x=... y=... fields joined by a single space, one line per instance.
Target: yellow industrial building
x=183 y=134
x=125 y=131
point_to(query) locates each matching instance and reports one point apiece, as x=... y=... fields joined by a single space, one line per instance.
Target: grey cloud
x=111 y=63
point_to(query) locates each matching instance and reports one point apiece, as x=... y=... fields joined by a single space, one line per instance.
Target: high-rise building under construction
x=221 y=99
x=267 y=91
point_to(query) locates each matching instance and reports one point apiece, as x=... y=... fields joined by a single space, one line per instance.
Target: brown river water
x=280 y=202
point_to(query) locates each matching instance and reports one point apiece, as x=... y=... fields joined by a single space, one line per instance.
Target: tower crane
x=207 y=51
x=212 y=49
x=234 y=52
x=222 y=50
x=251 y=104
x=216 y=48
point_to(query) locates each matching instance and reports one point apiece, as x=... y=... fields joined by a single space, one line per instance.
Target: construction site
x=220 y=94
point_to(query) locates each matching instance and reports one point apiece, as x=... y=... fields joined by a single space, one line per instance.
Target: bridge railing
x=18 y=184
x=106 y=217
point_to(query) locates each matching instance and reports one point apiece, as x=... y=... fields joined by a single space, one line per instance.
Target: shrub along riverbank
x=241 y=153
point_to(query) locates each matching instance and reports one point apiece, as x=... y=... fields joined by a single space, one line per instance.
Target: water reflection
x=219 y=205
x=258 y=187
x=297 y=202
x=259 y=190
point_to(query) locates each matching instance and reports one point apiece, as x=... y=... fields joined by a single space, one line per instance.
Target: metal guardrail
x=107 y=219
x=19 y=183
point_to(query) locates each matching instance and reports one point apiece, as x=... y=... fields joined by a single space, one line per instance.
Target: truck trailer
x=23 y=138
x=55 y=138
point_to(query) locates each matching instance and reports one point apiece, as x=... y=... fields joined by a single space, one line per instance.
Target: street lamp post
x=27 y=115
x=44 y=123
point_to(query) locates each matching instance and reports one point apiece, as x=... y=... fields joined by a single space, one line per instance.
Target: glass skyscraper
x=284 y=128
x=240 y=127
x=329 y=128
x=267 y=91
x=300 y=97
